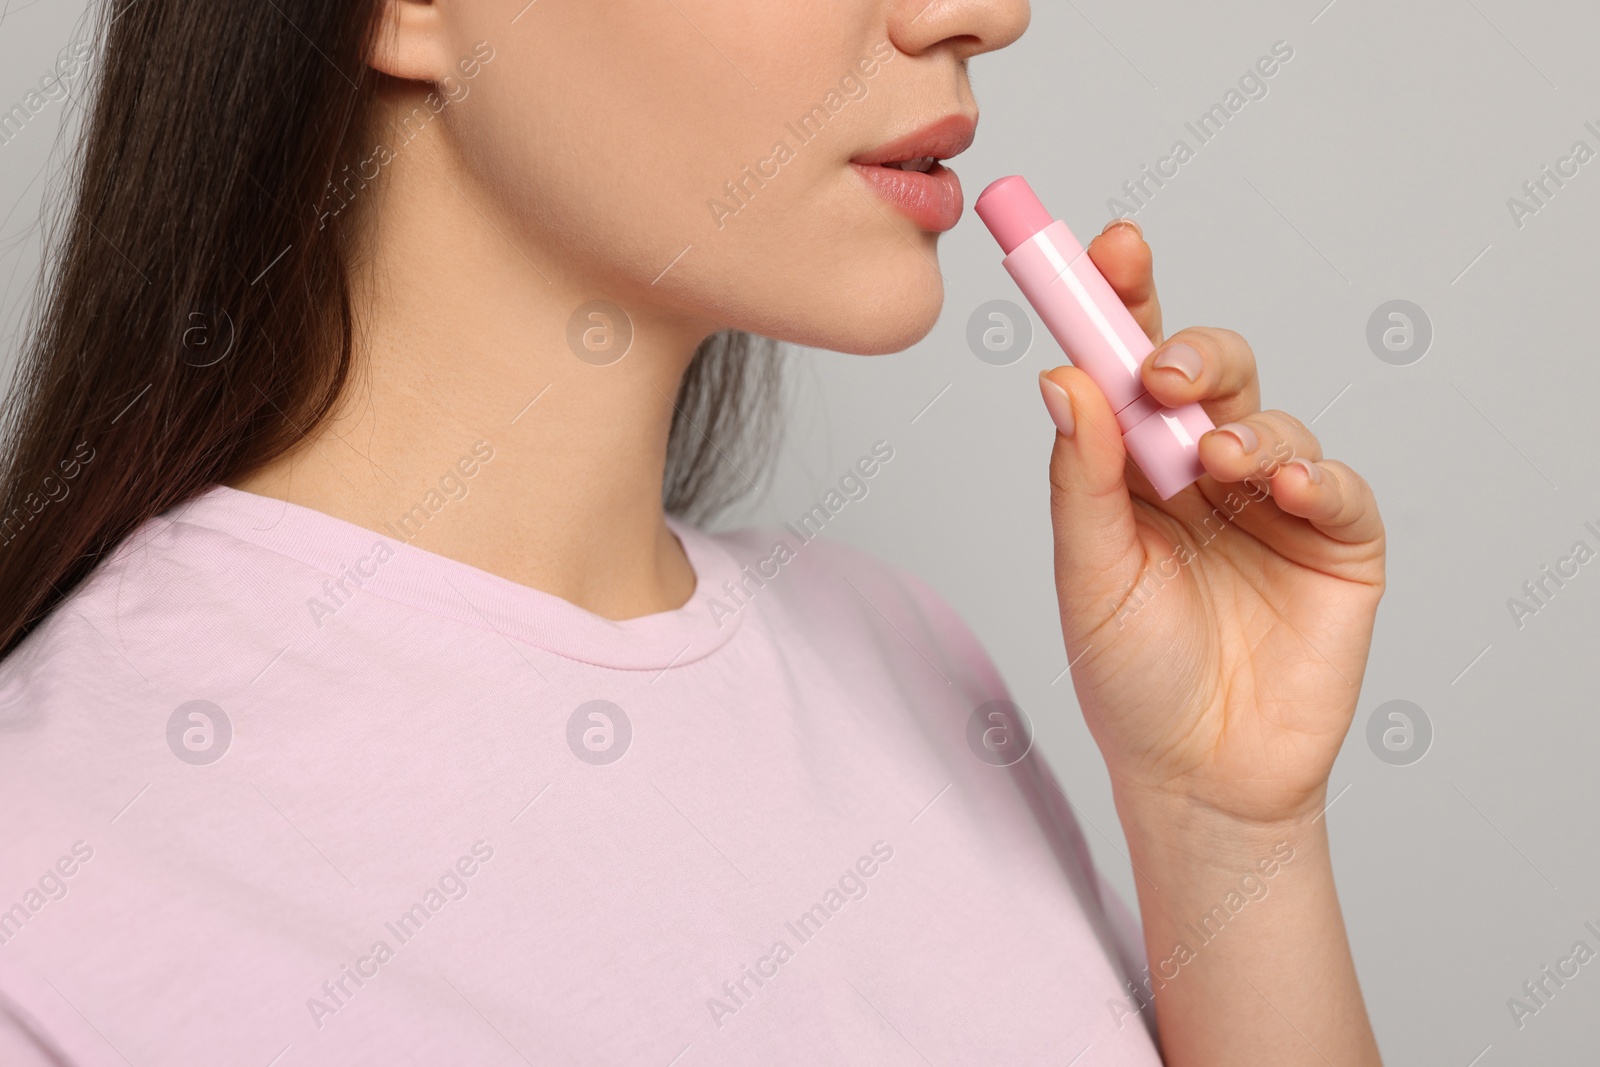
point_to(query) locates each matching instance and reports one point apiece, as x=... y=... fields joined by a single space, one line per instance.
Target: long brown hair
x=184 y=233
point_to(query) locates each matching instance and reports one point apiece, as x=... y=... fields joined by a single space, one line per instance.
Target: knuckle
x=1225 y=349
x=1060 y=493
x=1245 y=355
x=1292 y=425
x=1355 y=500
x=1295 y=433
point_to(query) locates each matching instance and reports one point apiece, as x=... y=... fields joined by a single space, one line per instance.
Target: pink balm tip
x=1012 y=212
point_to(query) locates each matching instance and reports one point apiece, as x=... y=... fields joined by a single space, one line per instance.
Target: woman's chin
x=875 y=322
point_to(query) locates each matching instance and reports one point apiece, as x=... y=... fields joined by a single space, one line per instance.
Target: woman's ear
x=410 y=41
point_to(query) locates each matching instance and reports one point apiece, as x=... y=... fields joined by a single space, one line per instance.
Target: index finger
x=1121 y=254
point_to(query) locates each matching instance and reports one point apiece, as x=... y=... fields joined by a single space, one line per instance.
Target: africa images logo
x=199 y=732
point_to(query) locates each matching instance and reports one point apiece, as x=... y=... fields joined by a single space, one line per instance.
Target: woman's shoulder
x=170 y=590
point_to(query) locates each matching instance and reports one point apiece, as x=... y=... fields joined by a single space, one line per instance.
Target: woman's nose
x=967 y=27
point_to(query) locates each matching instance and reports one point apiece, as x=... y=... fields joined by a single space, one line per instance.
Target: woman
x=369 y=697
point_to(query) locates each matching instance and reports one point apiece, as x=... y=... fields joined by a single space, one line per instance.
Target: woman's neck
x=462 y=342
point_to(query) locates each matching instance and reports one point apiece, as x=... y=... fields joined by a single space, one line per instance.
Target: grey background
x=1377 y=168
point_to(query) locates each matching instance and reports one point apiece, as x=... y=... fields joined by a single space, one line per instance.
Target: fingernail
x=1183 y=358
x=1059 y=404
x=1241 y=433
x=1313 y=471
x=1123 y=220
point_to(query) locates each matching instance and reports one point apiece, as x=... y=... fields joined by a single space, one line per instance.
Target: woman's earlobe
x=409 y=43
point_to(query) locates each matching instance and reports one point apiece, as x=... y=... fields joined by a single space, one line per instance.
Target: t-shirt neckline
x=455 y=590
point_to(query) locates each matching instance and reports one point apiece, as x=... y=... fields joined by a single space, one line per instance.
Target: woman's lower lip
x=933 y=200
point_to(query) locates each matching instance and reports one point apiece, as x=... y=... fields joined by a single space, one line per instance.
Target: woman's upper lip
x=945 y=139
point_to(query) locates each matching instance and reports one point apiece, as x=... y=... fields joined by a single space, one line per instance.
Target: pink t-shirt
x=279 y=790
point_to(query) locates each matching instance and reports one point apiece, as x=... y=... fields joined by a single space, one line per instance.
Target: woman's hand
x=1219 y=637
x=1218 y=641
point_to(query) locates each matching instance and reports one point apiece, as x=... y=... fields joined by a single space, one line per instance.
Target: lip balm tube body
x=1095 y=330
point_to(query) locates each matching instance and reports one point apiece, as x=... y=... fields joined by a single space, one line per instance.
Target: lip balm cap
x=1166 y=447
x=1012 y=212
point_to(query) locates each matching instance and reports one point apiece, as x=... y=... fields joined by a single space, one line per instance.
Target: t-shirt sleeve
x=38 y=1028
x=1125 y=925
x=1127 y=935
x=18 y=1048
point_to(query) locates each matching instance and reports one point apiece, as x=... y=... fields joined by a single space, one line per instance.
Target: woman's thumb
x=1098 y=552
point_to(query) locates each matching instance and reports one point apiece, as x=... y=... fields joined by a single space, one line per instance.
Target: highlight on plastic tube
x=1094 y=328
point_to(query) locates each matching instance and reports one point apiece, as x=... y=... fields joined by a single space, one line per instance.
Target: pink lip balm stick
x=1095 y=330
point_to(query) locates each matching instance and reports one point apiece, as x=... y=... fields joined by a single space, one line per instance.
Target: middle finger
x=1214 y=366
